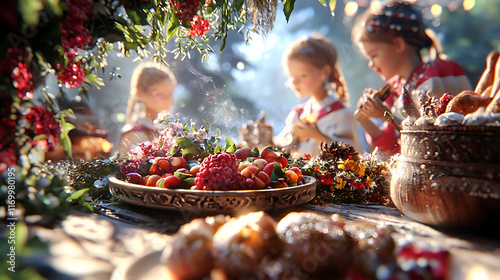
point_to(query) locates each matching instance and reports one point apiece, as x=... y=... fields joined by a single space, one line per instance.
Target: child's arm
x=385 y=138
x=370 y=109
x=306 y=131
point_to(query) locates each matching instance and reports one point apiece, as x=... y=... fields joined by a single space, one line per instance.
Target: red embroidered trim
x=299 y=109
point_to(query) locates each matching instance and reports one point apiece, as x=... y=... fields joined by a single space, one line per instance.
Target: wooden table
x=93 y=245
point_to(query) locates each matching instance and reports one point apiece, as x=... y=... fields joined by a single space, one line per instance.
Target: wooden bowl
x=448 y=176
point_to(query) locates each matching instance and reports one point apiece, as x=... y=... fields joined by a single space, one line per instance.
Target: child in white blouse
x=312 y=68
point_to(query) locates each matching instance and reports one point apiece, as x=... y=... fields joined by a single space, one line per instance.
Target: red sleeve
x=388 y=142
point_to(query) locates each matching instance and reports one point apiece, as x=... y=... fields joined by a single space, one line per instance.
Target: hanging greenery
x=70 y=39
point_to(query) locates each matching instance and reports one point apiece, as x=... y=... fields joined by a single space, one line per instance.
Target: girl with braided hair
x=395 y=41
x=311 y=65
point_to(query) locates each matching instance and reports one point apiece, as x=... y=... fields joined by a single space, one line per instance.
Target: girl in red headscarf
x=394 y=40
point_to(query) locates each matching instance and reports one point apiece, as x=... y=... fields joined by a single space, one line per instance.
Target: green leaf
x=230 y=146
x=54 y=6
x=277 y=172
x=288 y=6
x=29 y=10
x=333 y=3
x=172 y=27
x=187 y=180
x=64 y=137
x=191 y=150
x=137 y=16
x=183 y=141
x=204 y=154
x=77 y=195
x=223 y=45
x=39 y=137
x=238 y=4
x=206 y=123
x=173 y=150
x=329 y=3
x=94 y=80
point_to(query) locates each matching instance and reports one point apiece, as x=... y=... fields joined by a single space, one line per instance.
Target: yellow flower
x=341 y=166
x=348 y=164
x=340 y=183
x=362 y=169
x=369 y=181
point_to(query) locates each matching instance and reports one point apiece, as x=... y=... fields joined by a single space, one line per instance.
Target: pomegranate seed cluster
x=219 y=172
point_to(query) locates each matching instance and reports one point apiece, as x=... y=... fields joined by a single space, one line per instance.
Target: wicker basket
x=449 y=176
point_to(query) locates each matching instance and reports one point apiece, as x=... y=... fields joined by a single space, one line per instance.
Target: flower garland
x=347 y=177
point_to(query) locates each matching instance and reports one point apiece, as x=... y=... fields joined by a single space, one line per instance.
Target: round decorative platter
x=212 y=202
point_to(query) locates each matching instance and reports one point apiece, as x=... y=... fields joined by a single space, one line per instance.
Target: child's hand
x=373 y=108
x=305 y=131
x=366 y=95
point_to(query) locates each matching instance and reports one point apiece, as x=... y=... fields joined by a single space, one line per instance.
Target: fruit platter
x=185 y=169
x=199 y=201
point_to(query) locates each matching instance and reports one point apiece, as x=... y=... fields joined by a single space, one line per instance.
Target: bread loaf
x=488 y=75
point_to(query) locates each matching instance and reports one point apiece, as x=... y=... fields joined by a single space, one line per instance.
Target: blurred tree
x=468 y=36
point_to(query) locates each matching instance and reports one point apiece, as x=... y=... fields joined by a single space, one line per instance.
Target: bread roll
x=467 y=102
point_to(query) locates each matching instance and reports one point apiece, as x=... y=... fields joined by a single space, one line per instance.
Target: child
x=391 y=38
x=311 y=65
x=151 y=92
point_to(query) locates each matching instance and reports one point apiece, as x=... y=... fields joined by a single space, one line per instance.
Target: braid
x=337 y=79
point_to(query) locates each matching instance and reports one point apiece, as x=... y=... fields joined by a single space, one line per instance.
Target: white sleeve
x=437 y=86
x=285 y=137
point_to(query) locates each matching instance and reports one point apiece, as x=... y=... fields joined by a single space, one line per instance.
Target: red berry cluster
x=8 y=154
x=73 y=75
x=21 y=77
x=44 y=123
x=443 y=103
x=74 y=36
x=22 y=81
x=219 y=172
x=186 y=9
x=199 y=26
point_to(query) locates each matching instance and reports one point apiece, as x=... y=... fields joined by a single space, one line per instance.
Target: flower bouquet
x=344 y=176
